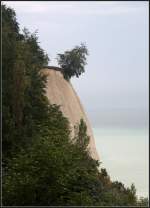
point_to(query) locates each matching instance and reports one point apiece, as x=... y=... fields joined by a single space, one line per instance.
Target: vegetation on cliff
x=72 y=62
x=42 y=166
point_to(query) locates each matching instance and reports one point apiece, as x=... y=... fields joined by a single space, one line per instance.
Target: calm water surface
x=124 y=153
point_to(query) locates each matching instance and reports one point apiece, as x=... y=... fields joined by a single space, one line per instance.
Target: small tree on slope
x=72 y=62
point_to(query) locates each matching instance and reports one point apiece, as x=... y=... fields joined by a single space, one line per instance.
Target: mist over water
x=124 y=153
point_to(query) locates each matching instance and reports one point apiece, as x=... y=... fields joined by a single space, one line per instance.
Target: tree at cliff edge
x=73 y=62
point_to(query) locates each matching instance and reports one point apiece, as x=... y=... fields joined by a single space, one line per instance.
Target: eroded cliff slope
x=61 y=92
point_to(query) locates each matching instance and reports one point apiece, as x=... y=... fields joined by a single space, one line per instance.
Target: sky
x=114 y=87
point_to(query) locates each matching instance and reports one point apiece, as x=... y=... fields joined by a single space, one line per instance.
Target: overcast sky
x=114 y=89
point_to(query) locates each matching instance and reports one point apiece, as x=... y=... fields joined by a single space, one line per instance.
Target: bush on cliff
x=72 y=62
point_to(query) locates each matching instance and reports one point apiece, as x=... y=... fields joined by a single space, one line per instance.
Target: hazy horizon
x=122 y=160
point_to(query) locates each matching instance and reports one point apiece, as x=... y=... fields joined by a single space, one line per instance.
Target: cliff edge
x=61 y=92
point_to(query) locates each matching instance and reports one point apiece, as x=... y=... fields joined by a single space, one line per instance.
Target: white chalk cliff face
x=61 y=92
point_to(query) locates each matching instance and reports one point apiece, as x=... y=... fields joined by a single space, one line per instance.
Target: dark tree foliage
x=72 y=62
x=143 y=202
x=81 y=137
x=22 y=84
x=10 y=35
x=42 y=166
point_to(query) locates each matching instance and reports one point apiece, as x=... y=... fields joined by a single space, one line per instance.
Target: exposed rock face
x=61 y=92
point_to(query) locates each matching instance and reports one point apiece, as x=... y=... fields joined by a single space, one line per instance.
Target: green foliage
x=11 y=78
x=22 y=84
x=53 y=170
x=42 y=166
x=115 y=194
x=143 y=202
x=72 y=62
x=81 y=138
x=33 y=174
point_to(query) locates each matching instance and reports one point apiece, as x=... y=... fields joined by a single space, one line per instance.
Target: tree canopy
x=73 y=62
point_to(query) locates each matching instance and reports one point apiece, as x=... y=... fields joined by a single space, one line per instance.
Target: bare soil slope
x=61 y=92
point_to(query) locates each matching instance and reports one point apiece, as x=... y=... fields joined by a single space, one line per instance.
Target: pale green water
x=124 y=153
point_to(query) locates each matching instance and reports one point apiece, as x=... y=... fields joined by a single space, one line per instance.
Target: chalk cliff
x=61 y=92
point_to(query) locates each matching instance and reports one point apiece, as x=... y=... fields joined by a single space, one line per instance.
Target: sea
x=124 y=153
